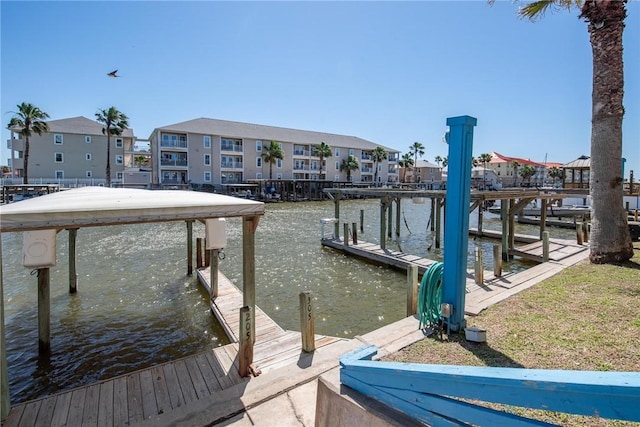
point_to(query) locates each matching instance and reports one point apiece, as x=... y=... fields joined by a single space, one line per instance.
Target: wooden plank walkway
x=148 y=393
x=493 y=289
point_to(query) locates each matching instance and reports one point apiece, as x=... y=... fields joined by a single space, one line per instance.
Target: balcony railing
x=366 y=170
x=174 y=144
x=231 y=147
x=231 y=165
x=301 y=153
x=393 y=158
x=301 y=167
x=365 y=156
x=174 y=162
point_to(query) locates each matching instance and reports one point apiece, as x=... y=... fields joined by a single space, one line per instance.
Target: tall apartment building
x=215 y=152
x=73 y=149
x=508 y=175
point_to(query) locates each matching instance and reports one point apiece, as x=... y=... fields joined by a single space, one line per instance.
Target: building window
x=59 y=174
x=207 y=177
x=206 y=141
x=278 y=176
x=88 y=156
x=279 y=163
x=58 y=157
x=337 y=152
x=280 y=145
x=258 y=146
x=207 y=159
x=258 y=162
x=259 y=175
x=352 y=152
x=336 y=177
x=89 y=174
x=87 y=139
x=337 y=165
x=119 y=176
x=119 y=143
x=119 y=159
x=57 y=138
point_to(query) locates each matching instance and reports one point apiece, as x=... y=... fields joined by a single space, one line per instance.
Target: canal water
x=136 y=307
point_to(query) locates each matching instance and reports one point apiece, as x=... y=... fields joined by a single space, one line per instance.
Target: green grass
x=587 y=317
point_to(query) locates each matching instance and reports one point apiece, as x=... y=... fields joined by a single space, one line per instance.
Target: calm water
x=136 y=306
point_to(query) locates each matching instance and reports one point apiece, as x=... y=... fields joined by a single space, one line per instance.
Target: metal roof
x=231 y=129
x=100 y=206
x=81 y=125
x=580 y=162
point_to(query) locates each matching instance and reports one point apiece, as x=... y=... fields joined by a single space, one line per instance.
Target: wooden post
x=249 y=225
x=497 y=260
x=398 y=204
x=626 y=206
x=512 y=225
x=383 y=222
x=362 y=220
x=307 y=323
x=545 y=246
x=579 y=232
x=73 y=275
x=247 y=338
x=479 y=267
x=504 y=215
x=207 y=255
x=44 y=310
x=390 y=219
x=354 y=232
x=189 y=248
x=543 y=216
x=480 y=216
x=345 y=226
x=412 y=289
x=635 y=215
x=432 y=215
x=5 y=402
x=213 y=273
x=438 y=222
x=199 y=252
x=585 y=232
x=336 y=215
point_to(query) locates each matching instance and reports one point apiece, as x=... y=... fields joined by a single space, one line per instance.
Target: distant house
x=423 y=172
x=576 y=173
x=509 y=176
x=484 y=178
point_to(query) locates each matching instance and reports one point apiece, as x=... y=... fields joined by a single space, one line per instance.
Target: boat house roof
x=100 y=206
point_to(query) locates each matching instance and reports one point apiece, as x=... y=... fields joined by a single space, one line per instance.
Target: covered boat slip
x=98 y=206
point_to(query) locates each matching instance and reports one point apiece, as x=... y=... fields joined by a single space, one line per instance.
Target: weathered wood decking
x=493 y=289
x=148 y=393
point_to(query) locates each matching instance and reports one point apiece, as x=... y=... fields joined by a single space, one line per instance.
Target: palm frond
x=537 y=9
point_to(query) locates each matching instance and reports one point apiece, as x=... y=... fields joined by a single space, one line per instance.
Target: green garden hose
x=430 y=296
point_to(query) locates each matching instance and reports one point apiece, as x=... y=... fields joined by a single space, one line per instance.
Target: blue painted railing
x=430 y=393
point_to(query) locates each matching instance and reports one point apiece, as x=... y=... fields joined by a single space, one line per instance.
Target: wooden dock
x=148 y=393
x=493 y=289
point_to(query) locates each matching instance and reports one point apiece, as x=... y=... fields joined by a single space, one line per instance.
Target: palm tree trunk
x=26 y=161
x=610 y=238
x=108 y=171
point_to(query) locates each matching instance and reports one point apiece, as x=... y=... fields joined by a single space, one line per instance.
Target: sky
x=388 y=72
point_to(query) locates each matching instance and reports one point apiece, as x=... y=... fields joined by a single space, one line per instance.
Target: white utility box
x=39 y=249
x=475 y=334
x=215 y=233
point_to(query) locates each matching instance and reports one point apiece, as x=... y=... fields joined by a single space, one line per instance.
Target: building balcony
x=231 y=148
x=301 y=153
x=393 y=158
x=174 y=144
x=365 y=156
x=174 y=162
x=231 y=165
x=366 y=170
x=300 y=167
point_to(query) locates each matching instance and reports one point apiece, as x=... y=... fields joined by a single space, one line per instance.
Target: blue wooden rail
x=430 y=393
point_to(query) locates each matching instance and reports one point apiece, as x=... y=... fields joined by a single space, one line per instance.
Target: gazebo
x=576 y=173
x=42 y=217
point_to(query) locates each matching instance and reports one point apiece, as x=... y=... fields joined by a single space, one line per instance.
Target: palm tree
x=114 y=123
x=445 y=161
x=515 y=165
x=526 y=172
x=271 y=154
x=323 y=151
x=405 y=162
x=378 y=155
x=484 y=159
x=27 y=120
x=348 y=165
x=438 y=160
x=554 y=173
x=141 y=160
x=417 y=149
x=610 y=237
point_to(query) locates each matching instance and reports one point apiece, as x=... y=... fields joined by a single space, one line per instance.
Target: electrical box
x=39 y=249
x=216 y=233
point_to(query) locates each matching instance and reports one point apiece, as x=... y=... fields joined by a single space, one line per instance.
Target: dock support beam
x=189 y=248
x=336 y=215
x=504 y=216
x=398 y=204
x=5 y=402
x=44 y=310
x=543 y=216
x=73 y=275
x=456 y=226
x=383 y=222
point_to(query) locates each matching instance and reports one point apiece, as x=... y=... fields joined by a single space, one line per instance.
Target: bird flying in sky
x=113 y=74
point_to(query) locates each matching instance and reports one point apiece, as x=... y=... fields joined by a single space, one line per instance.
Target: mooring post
x=390 y=219
x=456 y=225
x=213 y=273
x=497 y=260
x=383 y=222
x=336 y=215
x=585 y=231
x=198 y=252
x=480 y=216
x=362 y=220
x=479 y=266
x=398 y=204
x=512 y=225
x=412 y=289
x=545 y=246
x=579 y=232
x=439 y=221
x=5 y=401
x=249 y=226
x=432 y=218
x=207 y=255
x=307 y=322
x=73 y=275
x=189 y=248
x=345 y=226
x=354 y=232
x=44 y=310
x=247 y=339
x=504 y=216
x=543 y=216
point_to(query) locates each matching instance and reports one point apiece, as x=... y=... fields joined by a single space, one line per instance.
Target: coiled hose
x=430 y=296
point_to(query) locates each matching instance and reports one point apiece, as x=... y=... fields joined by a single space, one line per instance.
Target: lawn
x=585 y=318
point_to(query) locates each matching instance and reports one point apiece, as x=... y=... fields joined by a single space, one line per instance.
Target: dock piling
x=345 y=226
x=73 y=275
x=362 y=220
x=579 y=232
x=585 y=232
x=307 y=322
x=497 y=260
x=199 y=252
x=189 y=248
x=354 y=233
x=44 y=310
x=545 y=246
x=479 y=266
x=412 y=289
x=246 y=341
